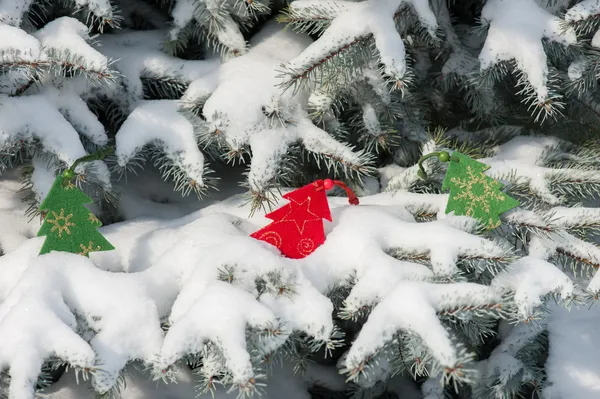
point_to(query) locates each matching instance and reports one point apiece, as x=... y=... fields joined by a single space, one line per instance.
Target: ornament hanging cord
x=442 y=156
x=328 y=184
x=96 y=156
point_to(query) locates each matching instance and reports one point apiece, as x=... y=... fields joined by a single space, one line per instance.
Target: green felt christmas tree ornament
x=68 y=225
x=472 y=192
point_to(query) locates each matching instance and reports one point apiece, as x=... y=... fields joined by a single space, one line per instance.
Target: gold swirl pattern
x=306 y=246
x=272 y=238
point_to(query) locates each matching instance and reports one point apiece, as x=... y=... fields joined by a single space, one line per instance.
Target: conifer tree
x=401 y=299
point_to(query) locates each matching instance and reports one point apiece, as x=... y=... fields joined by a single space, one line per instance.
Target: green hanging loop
x=442 y=156
x=96 y=156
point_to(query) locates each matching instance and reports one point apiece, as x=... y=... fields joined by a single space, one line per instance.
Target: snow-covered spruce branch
x=264 y=119
x=148 y=61
x=66 y=288
x=220 y=23
x=513 y=364
x=542 y=171
x=349 y=30
x=96 y=12
x=526 y=23
x=375 y=112
x=545 y=169
x=64 y=128
x=62 y=47
x=584 y=18
x=157 y=125
x=556 y=235
x=50 y=128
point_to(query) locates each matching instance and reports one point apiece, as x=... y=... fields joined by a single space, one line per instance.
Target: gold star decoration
x=60 y=222
x=299 y=214
x=86 y=250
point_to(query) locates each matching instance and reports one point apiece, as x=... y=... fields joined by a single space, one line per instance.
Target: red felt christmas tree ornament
x=297 y=228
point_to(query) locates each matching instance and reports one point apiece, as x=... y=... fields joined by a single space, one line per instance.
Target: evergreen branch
x=62 y=63
x=357 y=52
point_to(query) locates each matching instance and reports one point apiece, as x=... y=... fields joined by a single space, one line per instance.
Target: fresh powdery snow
x=252 y=80
x=359 y=20
x=159 y=123
x=123 y=295
x=516 y=30
x=572 y=363
x=139 y=54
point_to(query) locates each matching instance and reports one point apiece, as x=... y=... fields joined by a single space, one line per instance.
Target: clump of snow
x=139 y=54
x=576 y=69
x=355 y=21
x=503 y=368
x=252 y=80
x=49 y=126
x=16 y=43
x=11 y=12
x=69 y=103
x=15 y=226
x=582 y=10
x=211 y=15
x=516 y=30
x=100 y=8
x=159 y=123
x=412 y=307
x=67 y=34
x=531 y=279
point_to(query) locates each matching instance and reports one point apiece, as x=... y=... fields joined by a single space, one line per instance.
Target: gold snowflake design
x=92 y=218
x=478 y=191
x=60 y=222
x=86 y=250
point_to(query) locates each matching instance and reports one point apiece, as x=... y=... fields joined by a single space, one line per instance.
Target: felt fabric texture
x=68 y=225
x=297 y=228
x=473 y=193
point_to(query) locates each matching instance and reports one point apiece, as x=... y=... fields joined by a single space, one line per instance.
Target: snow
x=49 y=126
x=101 y=8
x=358 y=20
x=283 y=383
x=583 y=10
x=29 y=48
x=125 y=308
x=11 y=12
x=213 y=16
x=252 y=79
x=15 y=226
x=159 y=123
x=531 y=279
x=125 y=295
x=69 y=35
x=515 y=33
x=572 y=364
x=149 y=60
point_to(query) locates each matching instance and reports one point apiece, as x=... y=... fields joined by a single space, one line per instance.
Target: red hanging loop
x=352 y=198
